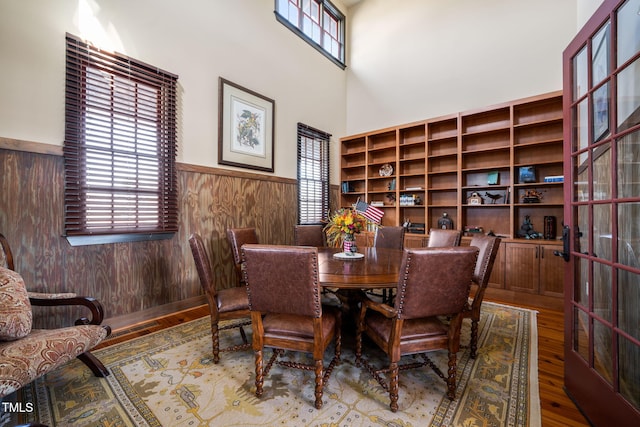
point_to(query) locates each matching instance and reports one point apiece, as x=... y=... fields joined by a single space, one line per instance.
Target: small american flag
x=372 y=213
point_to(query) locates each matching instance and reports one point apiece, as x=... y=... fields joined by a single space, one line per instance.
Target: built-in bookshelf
x=510 y=155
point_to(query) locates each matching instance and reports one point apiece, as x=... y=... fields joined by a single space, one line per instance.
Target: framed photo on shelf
x=245 y=127
x=527 y=174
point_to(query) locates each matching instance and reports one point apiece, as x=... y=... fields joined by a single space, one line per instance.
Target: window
x=120 y=148
x=318 y=22
x=313 y=175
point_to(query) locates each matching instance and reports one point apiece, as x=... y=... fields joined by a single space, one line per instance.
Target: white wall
x=199 y=40
x=415 y=59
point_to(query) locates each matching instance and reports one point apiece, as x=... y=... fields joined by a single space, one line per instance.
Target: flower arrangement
x=344 y=221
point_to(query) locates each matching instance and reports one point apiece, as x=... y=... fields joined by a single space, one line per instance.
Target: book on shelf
x=413 y=188
x=554 y=178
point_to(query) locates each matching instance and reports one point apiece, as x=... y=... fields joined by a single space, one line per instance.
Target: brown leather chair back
x=488 y=246
x=439 y=238
x=282 y=279
x=389 y=237
x=203 y=264
x=238 y=237
x=434 y=281
x=309 y=235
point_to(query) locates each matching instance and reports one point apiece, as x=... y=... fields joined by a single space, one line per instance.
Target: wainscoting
x=131 y=277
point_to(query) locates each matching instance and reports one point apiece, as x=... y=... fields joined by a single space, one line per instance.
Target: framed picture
x=245 y=127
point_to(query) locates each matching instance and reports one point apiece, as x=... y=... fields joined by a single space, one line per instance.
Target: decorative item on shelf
x=532 y=196
x=347 y=187
x=493 y=197
x=410 y=200
x=386 y=170
x=475 y=199
x=493 y=178
x=473 y=230
x=342 y=227
x=527 y=174
x=392 y=184
x=416 y=228
x=445 y=222
x=549 y=227
x=527 y=231
x=391 y=197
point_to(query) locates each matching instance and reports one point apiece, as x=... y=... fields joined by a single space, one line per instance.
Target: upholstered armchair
x=433 y=286
x=286 y=311
x=439 y=238
x=309 y=235
x=238 y=237
x=26 y=353
x=389 y=237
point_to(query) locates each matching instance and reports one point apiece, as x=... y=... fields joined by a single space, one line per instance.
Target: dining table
x=370 y=268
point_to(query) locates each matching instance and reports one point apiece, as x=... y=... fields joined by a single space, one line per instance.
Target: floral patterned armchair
x=26 y=353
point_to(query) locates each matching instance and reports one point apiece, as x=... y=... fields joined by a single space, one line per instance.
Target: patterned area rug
x=168 y=379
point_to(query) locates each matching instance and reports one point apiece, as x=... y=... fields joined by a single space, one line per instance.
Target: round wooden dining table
x=377 y=269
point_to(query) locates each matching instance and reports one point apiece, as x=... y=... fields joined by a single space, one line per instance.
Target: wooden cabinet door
x=551 y=272
x=522 y=267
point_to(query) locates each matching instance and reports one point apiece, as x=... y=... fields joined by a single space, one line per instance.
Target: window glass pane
x=600 y=55
x=628 y=295
x=628 y=31
x=582 y=282
x=629 y=166
x=582 y=182
x=629 y=95
x=580 y=74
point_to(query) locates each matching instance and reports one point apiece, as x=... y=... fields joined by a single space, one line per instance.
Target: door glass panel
x=582 y=282
x=583 y=229
x=602 y=231
x=602 y=350
x=628 y=31
x=600 y=55
x=629 y=95
x=629 y=234
x=601 y=112
x=581 y=128
x=580 y=74
x=602 y=290
x=629 y=360
x=628 y=295
x=629 y=166
x=581 y=333
x=581 y=184
x=602 y=172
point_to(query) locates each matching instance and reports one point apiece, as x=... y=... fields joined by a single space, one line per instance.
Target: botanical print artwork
x=248 y=128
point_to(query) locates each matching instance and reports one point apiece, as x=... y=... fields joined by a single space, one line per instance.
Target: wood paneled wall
x=129 y=277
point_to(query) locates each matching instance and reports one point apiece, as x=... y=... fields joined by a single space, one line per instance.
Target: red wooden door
x=602 y=215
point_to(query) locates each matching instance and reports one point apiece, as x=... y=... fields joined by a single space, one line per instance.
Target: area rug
x=168 y=378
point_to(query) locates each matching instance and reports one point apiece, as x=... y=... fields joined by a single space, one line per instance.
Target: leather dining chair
x=286 y=313
x=309 y=235
x=389 y=237
x=238 y=237
x=488 y=246
x=434 y=285
x=439 y=238
x=224 y=304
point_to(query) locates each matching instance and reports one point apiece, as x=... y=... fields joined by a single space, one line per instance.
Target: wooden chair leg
x=451 y=378
x=259 y=373
x=94 y=364
x=319 y=383
x=215 y=337
x=393 y=386
x=474 y=338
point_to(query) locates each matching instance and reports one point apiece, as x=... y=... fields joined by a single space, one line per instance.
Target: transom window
x=318 y=22
x=313 y=175
x=120 y=148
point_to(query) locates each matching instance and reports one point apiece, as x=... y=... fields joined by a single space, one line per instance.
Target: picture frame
x=245 y=127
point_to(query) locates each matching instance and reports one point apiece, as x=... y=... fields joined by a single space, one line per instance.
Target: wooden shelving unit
x=438 y=163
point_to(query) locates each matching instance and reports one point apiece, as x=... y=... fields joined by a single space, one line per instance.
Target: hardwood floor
x=557 y=409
